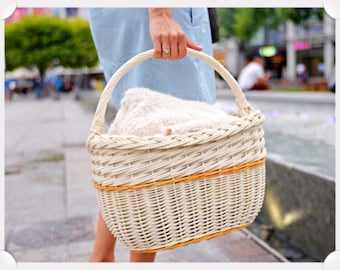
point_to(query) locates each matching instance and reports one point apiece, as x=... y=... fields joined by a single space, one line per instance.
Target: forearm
x=268 y=75
x=154 y=12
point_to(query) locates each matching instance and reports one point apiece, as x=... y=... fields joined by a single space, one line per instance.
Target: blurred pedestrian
x=331 y=80
x=76 y=87
x=58 y=86
x=302 y=73
x=37 y=87
x=10 y=86
x=253 y=75
x=122 y=33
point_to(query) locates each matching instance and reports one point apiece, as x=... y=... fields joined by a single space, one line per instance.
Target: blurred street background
x=51 y=92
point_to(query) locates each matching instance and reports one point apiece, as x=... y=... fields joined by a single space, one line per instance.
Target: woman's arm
x=167 y=35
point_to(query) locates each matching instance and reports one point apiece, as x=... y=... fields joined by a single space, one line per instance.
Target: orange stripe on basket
x=192 y=177
x=185 y=243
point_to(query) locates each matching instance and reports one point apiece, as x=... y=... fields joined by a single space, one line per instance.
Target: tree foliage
x=44 y=41
x=302 y=15
x=86 y=54
x=245 y=22
x=226 y=20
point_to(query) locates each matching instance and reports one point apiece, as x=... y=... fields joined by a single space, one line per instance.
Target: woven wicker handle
x=99 y=116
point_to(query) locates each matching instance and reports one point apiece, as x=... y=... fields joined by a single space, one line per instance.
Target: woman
x=121 y=33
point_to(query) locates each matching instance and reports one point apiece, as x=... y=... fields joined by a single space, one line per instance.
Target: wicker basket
x=163 y=192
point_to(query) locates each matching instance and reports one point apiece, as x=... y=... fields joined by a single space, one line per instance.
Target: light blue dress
x=121 y=33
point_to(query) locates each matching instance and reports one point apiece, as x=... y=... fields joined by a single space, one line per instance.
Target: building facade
x=286 y=47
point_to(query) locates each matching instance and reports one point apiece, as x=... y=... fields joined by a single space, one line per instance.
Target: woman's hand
x=169 y=40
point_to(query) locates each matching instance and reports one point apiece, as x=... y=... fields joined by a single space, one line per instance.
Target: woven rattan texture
x=157 y=217
x=162 y=216
x=131 y=166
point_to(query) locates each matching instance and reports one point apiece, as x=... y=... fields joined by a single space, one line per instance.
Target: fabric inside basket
x=145 y=112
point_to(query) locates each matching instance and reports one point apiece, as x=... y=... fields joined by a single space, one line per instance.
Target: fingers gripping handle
x=99 y=116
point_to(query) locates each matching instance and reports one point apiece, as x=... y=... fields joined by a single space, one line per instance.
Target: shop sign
x=301 y=45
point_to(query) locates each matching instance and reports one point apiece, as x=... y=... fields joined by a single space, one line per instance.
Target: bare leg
x=142 y=257
x=261 y=84
x=104 y=245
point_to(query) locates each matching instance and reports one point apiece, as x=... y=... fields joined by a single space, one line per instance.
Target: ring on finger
x=166 y=51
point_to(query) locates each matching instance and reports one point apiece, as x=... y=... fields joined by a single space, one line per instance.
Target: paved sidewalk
x=50 y=202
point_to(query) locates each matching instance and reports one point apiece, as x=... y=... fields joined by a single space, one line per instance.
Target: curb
x=264 y=245
x=300 y=97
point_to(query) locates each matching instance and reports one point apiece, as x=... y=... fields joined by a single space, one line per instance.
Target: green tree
x=44 y=41
x=85 y=54
x=301 y=16
x=245 y=22
x=226 y=20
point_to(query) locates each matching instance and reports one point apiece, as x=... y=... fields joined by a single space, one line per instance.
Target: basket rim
x=97 y=141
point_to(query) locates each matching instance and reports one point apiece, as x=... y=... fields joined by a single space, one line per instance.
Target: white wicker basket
x=163 y=192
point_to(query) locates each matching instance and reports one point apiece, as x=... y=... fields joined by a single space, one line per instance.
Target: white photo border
x=152 y=3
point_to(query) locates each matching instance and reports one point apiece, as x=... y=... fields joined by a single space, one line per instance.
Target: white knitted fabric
x=145 y=112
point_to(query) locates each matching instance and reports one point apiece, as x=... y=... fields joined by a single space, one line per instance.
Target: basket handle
x=98 y=122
